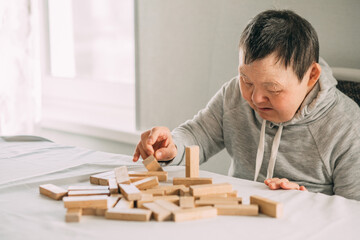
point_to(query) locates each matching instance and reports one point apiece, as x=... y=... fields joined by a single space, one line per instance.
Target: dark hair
x=282 y=31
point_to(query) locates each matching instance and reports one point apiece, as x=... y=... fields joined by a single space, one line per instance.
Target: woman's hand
x=283 y=183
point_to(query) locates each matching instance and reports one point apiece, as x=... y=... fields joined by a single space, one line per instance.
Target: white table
x=25 y=214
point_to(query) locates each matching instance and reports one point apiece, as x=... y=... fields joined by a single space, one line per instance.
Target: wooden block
x=194 y=213
x=89 y=192
x=113 y=186
x=94 y=179
x=123 y=203
x=100 y=212
x=192 y=161
x=152 y=164
x=238 y=210
x=170 y=198
x=121 y=175
x=232 y=194
x=171 y=189
x=222 y=195
x=214 y=201
x=113 y=200
x=130 y=214
x=99 y=201
x=162 y=176
x=147 y=183
x=155 y=191
x=135 y=179
x=159 y=213
x=221 y=198
x=89 y=211
x=187 y=202
x=184 y=191
x=89 y=187
x=52 y=191
x=130 y=192
x=172 y=207
x=73 y=215
x=191 y=181
x=267 y=206
x=145 y=198
x=206 y=189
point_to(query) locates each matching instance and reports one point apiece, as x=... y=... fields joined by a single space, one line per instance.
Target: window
x=89 y=78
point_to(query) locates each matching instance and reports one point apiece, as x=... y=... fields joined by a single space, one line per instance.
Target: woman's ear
x=315 y=71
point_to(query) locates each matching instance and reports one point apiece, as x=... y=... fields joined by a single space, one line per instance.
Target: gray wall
x=188 y=48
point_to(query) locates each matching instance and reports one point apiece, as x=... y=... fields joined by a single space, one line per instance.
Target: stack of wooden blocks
x=138 y=196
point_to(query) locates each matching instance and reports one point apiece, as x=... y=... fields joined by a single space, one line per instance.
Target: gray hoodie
x=319 y=148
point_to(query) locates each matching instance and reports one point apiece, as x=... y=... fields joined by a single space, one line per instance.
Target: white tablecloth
x=25 y=214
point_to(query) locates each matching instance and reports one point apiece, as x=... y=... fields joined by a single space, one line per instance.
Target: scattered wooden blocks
x=99 y=201
x=130 y=192
x=206 y=189
x=52 y=191
x=145 y=198
x=159 y=213
x=147 y=183
x=191 y=181
x=194 y=213
x=73 y=215
x=131 y=214
x=192 y=161
x=152 y=164
x=267 y=206
x=170 y=198
x=162 y=176
x=89 y=192
x=171 y=189
x=121 y=175
x=238 y=210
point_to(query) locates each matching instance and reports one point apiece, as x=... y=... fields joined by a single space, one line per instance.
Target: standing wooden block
x=152 y=164
x=130 y=192
x=99 y=201
x=147 y=183
x=88 y=192
x=73 y=215
x=159 y=213
x=52 y=191
x=89 y=187
x=191 y=181
x=192 y=161
x=121 y=175
x=267 y=206
x=187 y=202
x=113 y=186
x=131 y=214
x=172 y=207
x=123 y=203
x=162 y=176
x=238 y=210
x=207 y=189
x=194 y=213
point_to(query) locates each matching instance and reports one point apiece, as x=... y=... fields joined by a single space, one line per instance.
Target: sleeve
x=204 y=130
x=346 y=173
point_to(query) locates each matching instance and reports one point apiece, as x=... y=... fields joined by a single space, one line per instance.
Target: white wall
x=188 y=48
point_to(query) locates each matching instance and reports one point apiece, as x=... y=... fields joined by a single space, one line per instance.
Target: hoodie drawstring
x=274 y=151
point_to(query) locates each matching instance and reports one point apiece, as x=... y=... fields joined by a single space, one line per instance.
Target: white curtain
x=19 y=67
